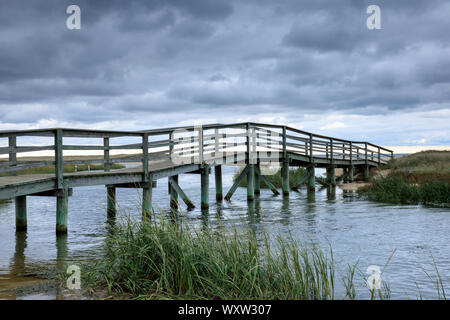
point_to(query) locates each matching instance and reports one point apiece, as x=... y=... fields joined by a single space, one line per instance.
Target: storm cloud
x=312 y=64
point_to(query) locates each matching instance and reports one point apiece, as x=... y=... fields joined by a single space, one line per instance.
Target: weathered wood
x=12 y=142
x=62 y=204
x=145 y=157
x=204 y=184
x=111 y=202
x=50 y=193
x=331 y=178
x=236 y=184
x=107 y=164
x=285 y=177
x=147 y=208
x=176 y=187
x=311 y=178
x=173 y=192
x=218 y=181
x=251 y=182
x=257 y=179
x=21 y=213
x=266 y=181
x=59 y=164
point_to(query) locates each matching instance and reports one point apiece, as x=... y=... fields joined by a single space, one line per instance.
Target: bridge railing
x=190 y=144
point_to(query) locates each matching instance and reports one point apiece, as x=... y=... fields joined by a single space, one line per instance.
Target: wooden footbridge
x=168 y=153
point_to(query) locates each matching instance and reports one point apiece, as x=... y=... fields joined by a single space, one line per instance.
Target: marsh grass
x=294 y=176
x=161 y=259
x=394 y=189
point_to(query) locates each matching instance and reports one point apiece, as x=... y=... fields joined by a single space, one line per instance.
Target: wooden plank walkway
x=167 y=153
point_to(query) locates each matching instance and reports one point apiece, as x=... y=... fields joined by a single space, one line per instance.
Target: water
x=356 y=229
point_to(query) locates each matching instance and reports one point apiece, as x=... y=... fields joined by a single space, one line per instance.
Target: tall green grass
x=294 y=176
x=161 y=259
x=395 y=189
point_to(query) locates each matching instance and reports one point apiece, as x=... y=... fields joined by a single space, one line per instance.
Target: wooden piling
x=204 y=187
x=110 y=202
x=251 y=182
x=257 y=179
x=311 y=178
x=62 y=204
x=331 y=175
x=218 y=180
x=147 y=209
x=174 y=194
x=351 y=173
x=21 y=213
x=366 y=172
x=285 y=177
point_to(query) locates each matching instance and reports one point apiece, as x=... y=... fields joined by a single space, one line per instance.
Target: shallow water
x=356 y=229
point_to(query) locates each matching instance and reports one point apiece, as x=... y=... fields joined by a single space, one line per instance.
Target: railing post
x=351 y=153
x=200 y=145
x=59 y=161
x=171 y=155
x=310 y=148
x=106 y=163
x=366 y=168
x=285 y=167
x=379 y=156
x=145 y=156
x=284 y=143
x=331 y=151
x=12 y=142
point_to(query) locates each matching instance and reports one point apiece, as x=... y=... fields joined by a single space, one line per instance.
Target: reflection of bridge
x=168 y=153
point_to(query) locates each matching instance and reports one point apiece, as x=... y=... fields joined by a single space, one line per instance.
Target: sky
x=149 y=64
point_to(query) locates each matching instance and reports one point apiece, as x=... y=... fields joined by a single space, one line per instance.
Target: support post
x=311 y=178
x=106 y=161
x=21 y=213
x=236 y=184
x=366 y=172
x=147 y=209
x=266 y=181
x=251 y=182
x=176 y=187
x=257 y=179
x=204 y=181
x=331 y=176
x=285 y=177
x=12 y=143
x=351 y=173
x=59 y=165
x=110 y=202
x=62 y=204
x=173 y=193
x=218 y=180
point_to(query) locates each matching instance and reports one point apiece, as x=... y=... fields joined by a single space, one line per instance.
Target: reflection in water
x=18 y=261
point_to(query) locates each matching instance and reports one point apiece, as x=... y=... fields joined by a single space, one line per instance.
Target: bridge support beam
x=204 y=181
x=311 y=178
x=62 y=206
x=21 y=213
x=110 y=202
x=285 y=177
x=266 y=181
x=366 y=172
x=173 y=192
x=351 y=173
x=257 y=179
x=251 y=182
x=218 y=180
x=331 y=176
x=147 y=209
x=176 y=188
x=236 y=184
